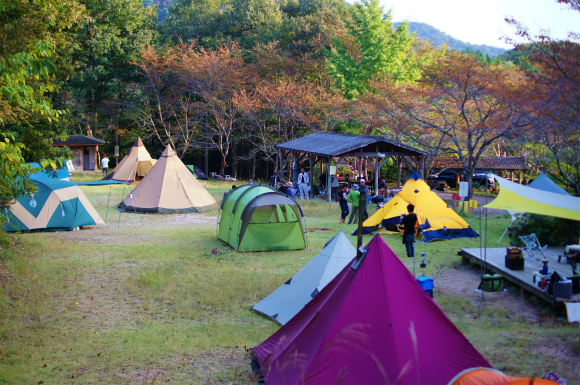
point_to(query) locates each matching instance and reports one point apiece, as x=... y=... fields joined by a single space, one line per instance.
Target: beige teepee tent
x=134 y=166
x=169 y=188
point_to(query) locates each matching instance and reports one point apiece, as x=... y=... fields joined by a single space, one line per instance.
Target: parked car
x=437 y=184
x=448 y=176
x=481 y=177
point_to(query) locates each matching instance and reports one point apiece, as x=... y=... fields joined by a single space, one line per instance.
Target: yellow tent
x=436 y=219
x=134 y=166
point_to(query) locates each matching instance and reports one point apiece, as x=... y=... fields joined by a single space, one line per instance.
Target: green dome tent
x=259 y=218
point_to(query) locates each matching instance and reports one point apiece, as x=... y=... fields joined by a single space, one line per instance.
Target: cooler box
x=426 y=284
x=563 y=289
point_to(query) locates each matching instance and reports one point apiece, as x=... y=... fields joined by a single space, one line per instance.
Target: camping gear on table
x=436 y=219
x=134 y=166
x=295 y=293
x=545 y=269
x=563 y=289
x=514 y=258
x=259 y=218
x=556 y=277
x=491 y=282
x=58 y=205
x=169 y=188
x=369 y=325
x=575 y=284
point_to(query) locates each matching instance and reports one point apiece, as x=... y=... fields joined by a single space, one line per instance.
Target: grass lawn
x=146 y=300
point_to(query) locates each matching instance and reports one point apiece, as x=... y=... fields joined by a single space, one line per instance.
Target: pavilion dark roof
x=484 y=163
x=336 y=144
x=78 y=140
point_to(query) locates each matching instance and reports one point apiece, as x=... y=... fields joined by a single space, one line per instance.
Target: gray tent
x=286 y=301
x=543 y=182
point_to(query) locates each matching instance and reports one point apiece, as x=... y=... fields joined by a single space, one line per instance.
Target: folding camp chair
x=532 y=245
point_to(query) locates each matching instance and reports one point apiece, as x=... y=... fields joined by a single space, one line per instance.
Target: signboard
x=463 y=189
x=573 y=310
x=332 y=170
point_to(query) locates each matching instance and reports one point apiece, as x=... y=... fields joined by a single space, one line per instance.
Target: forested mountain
x=438 y=38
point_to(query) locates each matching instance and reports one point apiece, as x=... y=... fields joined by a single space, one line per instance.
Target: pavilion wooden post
x=296 y=166
x=328 y=187
x=310 y=175
x=280 y=160
x=377 y=172
x=399 y=167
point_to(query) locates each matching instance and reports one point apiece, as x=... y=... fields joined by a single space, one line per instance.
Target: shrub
x=549 y=230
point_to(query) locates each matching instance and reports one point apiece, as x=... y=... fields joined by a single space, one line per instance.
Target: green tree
x=112 y=38
x=378 y=51
x=29 y=121
x=552 y=103
x=191 y=20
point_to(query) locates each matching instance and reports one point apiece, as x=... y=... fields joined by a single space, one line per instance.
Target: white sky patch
x=483 y=22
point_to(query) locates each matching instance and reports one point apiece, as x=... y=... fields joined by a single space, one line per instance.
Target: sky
x=483 y=21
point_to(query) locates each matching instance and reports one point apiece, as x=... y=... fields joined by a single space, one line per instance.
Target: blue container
x=426 y=283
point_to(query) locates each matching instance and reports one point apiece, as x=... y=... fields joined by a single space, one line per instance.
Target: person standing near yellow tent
x=409 y=221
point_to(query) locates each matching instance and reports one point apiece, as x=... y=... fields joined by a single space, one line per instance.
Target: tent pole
x=122 y=195
x=108 y=200
x=134 y=209
x=359 y=233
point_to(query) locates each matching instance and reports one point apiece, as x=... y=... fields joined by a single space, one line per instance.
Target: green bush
x=549 y=230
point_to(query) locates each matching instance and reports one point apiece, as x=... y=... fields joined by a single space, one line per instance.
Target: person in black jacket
x=283 y=188
x=408 y=221
x=364 y=192
x=344 y=211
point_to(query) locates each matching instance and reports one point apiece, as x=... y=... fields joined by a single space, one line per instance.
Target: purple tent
x=373 y=324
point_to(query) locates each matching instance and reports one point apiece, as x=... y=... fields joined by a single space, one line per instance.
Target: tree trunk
x=234 y=161
x=253 y=169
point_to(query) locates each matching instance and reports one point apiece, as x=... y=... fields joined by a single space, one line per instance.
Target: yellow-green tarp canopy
x=514 y=196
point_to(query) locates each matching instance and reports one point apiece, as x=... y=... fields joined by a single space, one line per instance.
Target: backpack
x=491 y=282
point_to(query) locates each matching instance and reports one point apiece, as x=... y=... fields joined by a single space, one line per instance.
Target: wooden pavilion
x=85 y=148
x=325 y=147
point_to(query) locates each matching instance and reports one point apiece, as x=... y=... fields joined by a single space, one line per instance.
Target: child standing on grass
x=353 y=197
x=343 y=204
